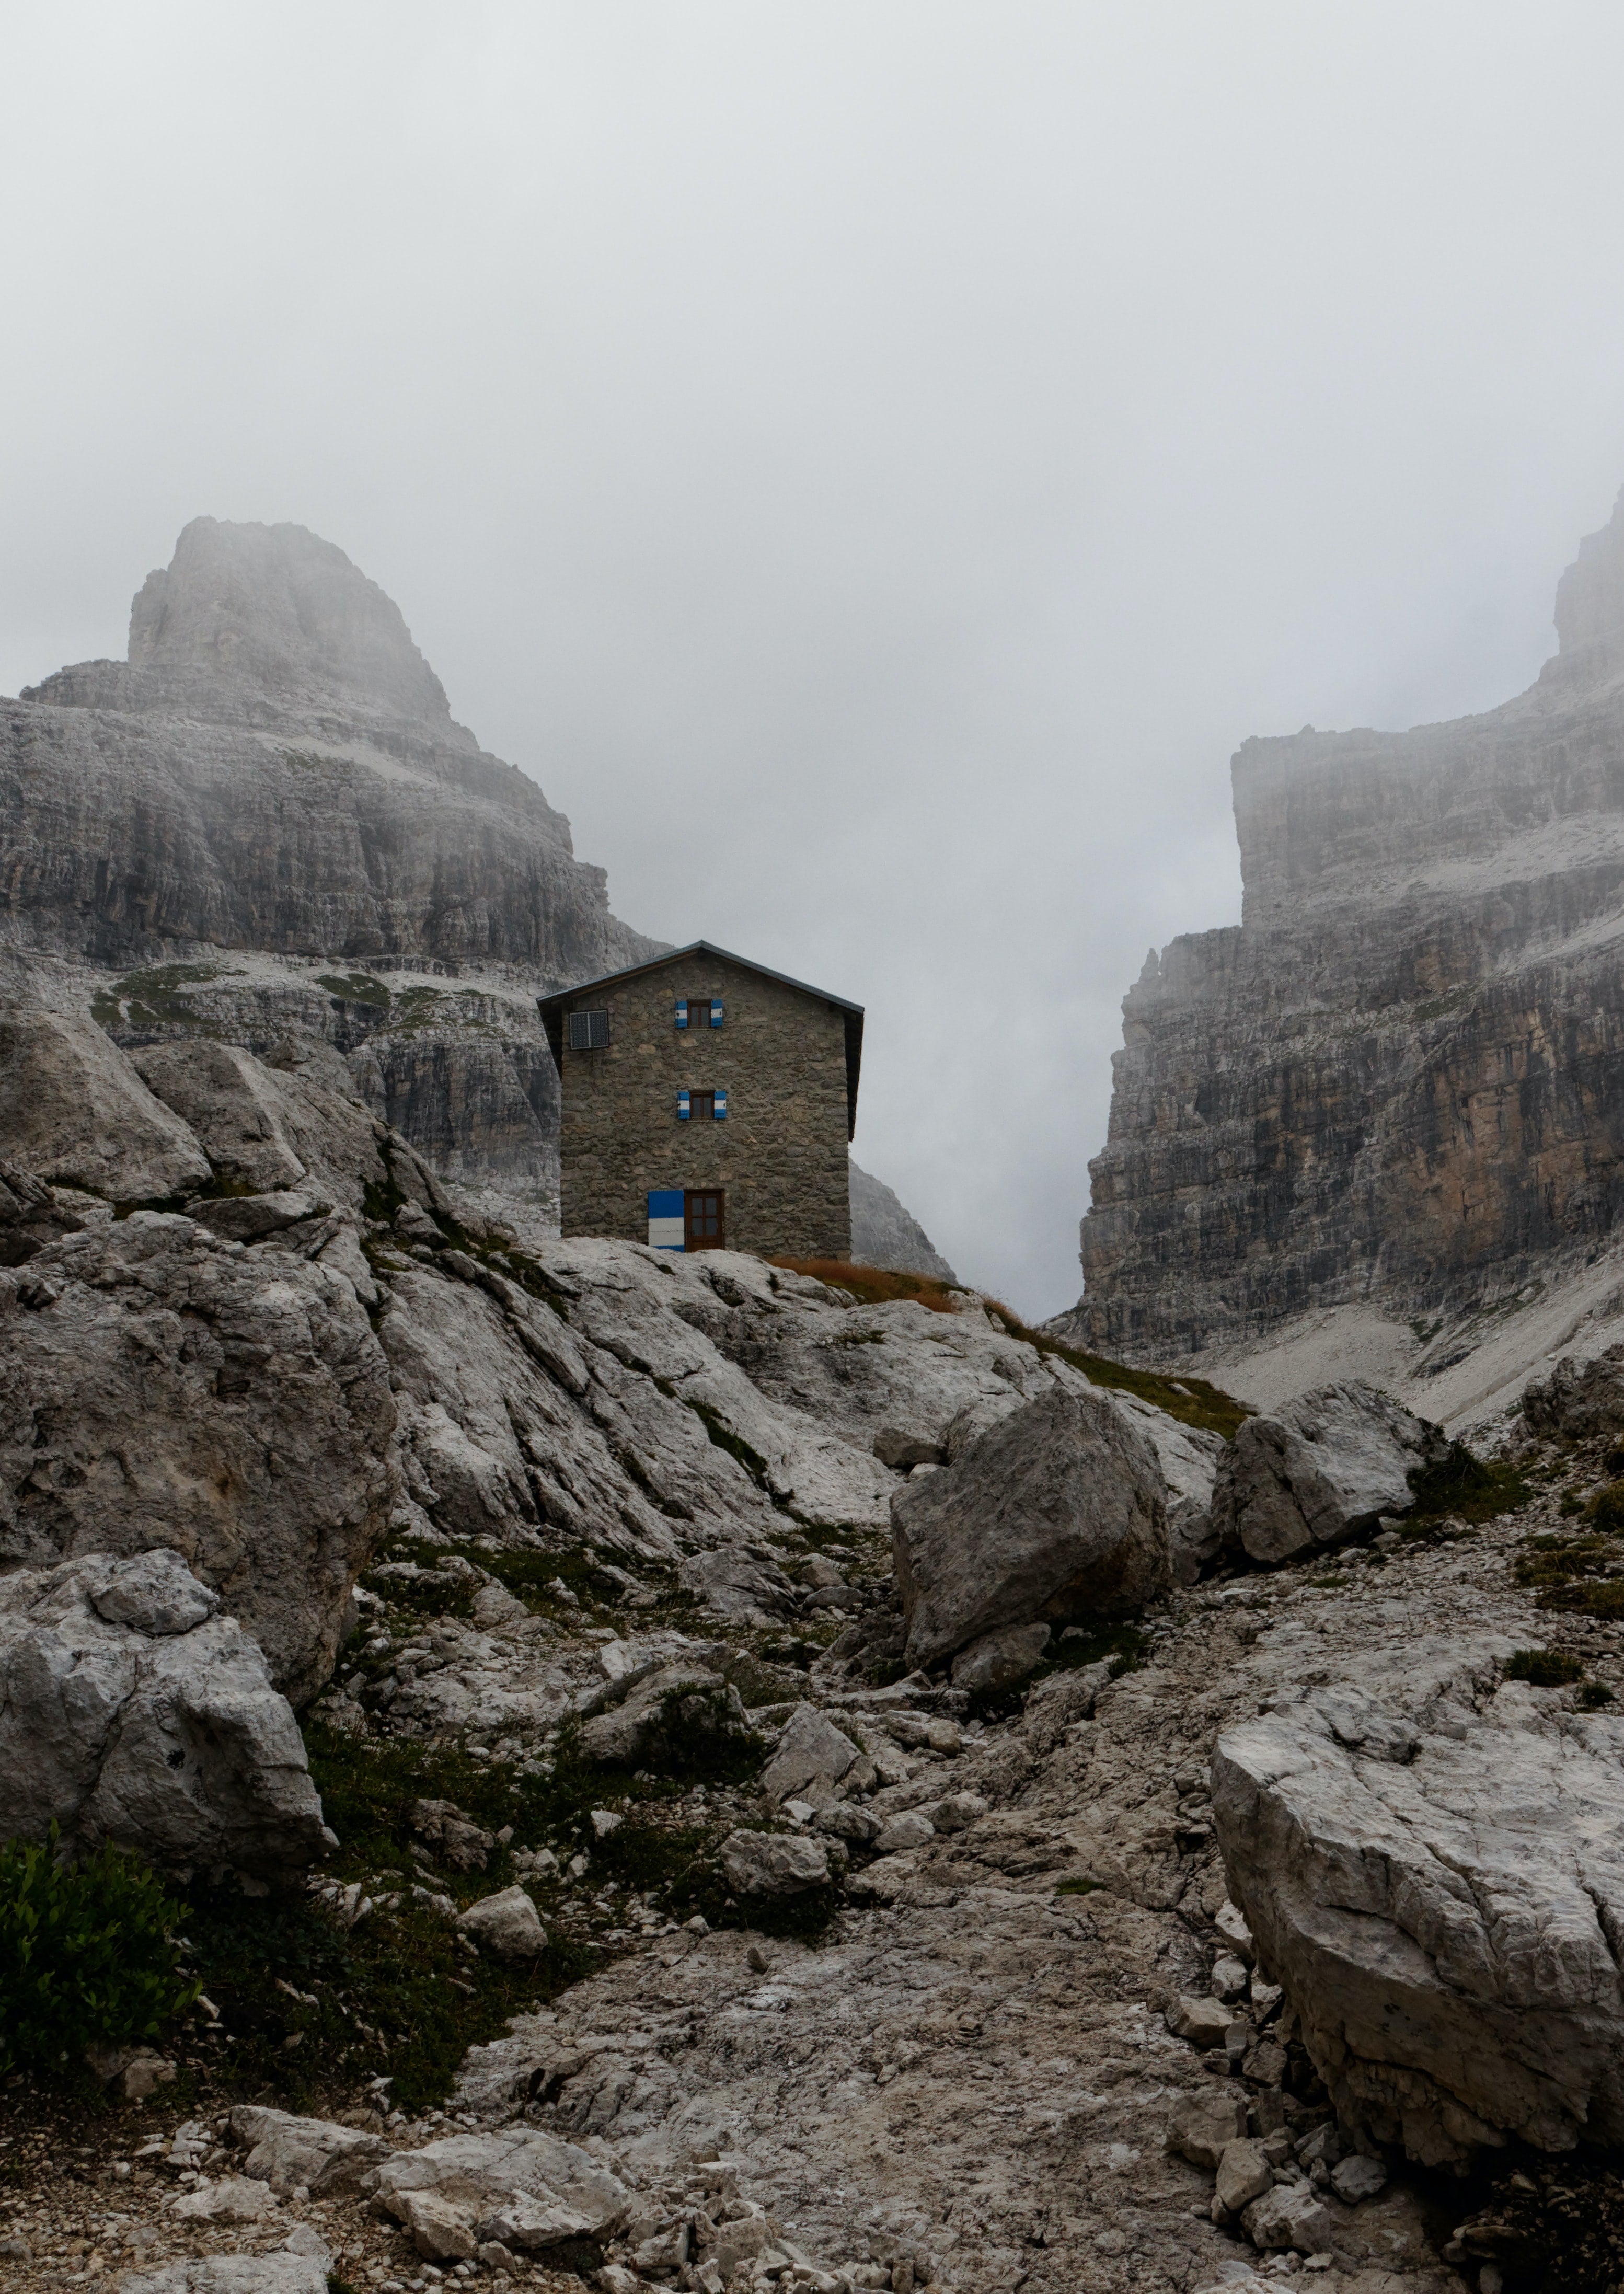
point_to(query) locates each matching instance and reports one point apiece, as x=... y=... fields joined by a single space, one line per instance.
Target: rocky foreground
x=1039 y=2035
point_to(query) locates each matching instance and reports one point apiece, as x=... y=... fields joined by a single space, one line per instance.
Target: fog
x=872 y=464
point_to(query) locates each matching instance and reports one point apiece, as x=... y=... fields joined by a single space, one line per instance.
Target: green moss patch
x=355 y=987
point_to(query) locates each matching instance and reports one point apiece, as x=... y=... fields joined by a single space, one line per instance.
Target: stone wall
x=781 y=1154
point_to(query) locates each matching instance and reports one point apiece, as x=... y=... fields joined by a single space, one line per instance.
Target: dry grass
x=874 y=1286
x=1195 y=1400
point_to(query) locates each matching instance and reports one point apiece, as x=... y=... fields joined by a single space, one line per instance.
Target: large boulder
x=229 y=1103
x=773 y=1863
x=74 y=1110
x=1431 y=1859
x=159 y=1387
x=526 y=2190
x=507 y=1923
x=1320 y=1469
x=132 y=1711
x=1059 y=1507
x=1580 y=1398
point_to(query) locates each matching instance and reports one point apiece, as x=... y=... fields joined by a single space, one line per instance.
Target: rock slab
x=1432 y=1865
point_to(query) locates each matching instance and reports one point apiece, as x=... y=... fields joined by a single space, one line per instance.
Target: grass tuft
x=1544 y=1668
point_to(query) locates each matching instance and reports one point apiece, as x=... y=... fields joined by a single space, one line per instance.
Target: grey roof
x=695 y=947
x=854 y=1012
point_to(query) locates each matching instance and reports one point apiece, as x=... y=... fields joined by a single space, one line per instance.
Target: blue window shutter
x=682 y=1011
x=682 y=1107
x=716 y=1011
x=665 y=1219
x=720 y=1108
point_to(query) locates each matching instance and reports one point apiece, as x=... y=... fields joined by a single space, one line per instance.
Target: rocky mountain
x=1393 y=1095
x=884 y=1235
x=266 y=826
x=276 y=768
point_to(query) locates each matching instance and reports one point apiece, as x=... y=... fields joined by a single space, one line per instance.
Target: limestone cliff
x=276 y=766
x=1400 y=1080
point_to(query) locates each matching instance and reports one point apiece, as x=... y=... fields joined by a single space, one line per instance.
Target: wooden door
x=704 y=1219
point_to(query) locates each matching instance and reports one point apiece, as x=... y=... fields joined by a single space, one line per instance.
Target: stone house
x=707 y=1103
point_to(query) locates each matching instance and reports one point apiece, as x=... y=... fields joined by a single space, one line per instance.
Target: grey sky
x=871 y=463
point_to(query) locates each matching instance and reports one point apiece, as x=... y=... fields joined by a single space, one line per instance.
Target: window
x=702 y=1104
x=702 y=1107
x=589 y=1031
x=704 y=1220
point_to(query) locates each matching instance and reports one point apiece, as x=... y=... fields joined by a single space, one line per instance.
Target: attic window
x=589 y=1031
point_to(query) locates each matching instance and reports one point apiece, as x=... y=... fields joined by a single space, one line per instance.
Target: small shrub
x=695 y=1735
x=1462 y=1487
x=87 y=1957
x=1594 y=1696
x=1078 y=1887
x=1548 y=1561
x=1544 y=1668
x=1601 y=1596
x=1606 y=1510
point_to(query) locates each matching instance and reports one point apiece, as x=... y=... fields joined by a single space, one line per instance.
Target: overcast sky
x=871 y=463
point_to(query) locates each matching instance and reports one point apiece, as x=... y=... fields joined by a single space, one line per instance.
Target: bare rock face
x=159 y=1387
x=1428 y=1857
x=1319 y=1471
x=30 y=1215
x=74 y=1112
x=239 y=1111
x=286 y=2151
x=131 y=1712
x=884 y=1235
x=1397 y=1080
x=1060 y=1506
x=275 y=767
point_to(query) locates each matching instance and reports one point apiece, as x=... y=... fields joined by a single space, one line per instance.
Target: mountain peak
x=277 y=611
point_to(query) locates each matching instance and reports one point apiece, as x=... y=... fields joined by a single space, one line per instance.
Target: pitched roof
x=550 y=1005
